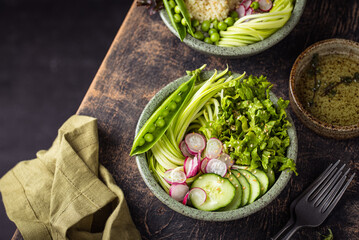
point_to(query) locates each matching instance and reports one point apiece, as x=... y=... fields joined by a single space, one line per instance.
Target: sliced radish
x=175 y=176
x=184 y=149
x=178 y=191
x=188 y=164
x=214 y=148
x=197 y=163
x=216 y=166
x=198 y=194
x=241 y=10
x=204 y=163
x=191 y=166
x=265 y=5
x=247 y=4
x=185 y=199
x=249 y=11
x=226 y=159
x=195 y=142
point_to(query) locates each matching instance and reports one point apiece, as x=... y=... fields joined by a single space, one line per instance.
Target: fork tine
x=325 y=203
x=317 y=183
x=326 y=186
x=334 y=202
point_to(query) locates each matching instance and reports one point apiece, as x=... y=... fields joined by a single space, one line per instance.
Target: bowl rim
x=242 y=51
x=292 y=89
x=245 y=211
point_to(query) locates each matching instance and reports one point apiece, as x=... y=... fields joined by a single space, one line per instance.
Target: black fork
x=313 y=206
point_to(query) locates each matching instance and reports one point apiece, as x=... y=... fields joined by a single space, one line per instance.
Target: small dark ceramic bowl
x=330 y=46
x=158 y=191
x=243 y=51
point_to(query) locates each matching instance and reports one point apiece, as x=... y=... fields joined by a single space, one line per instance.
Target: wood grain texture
x=145 y=56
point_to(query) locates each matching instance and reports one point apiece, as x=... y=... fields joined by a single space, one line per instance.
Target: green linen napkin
x=65 y=193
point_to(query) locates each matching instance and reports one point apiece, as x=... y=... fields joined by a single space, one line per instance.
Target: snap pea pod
x=181 y=30
x=160 y=120
x=185 y=14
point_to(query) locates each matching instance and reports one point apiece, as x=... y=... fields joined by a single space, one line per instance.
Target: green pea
x=172 y=106
x=236 y=19
x=148 y=137
x=205 y=26
x=229 y=21
x=208 y=40
x=165 y=113
x=255 y=5
x=234 y=14
x=214 y=37
x=151 y=128
x=195 y=23
x=184 y=22
x=177 y=9
x=222 y=26
x=178 y=98
x=199 y=35
x=215 y=24
x=212 y=30
x=172 y=3
x=160 y=122
x=177 y=18
x=141 y=142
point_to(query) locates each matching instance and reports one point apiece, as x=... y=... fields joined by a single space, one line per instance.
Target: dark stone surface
x=49 y=53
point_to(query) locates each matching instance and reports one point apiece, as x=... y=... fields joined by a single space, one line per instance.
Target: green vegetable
x=252 y=128
x=172 y=3
x=195 y=23
x=256 y=27
x=177 y=18
x=177 y=9
x=205 y=26
x=183 y=9
x=208 y=40
x=229 y=21
x=222 y=26
x=215 y=24
x=234 y=14
x=329 y=236
x=220 y=192
x=180 y=29
x=212 y=30
x=214 y=37
x=199 y=35
x=160 y=120
x=255 y=5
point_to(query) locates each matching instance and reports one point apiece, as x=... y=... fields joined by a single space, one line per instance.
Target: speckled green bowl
x=158 y=191
x=243 y=51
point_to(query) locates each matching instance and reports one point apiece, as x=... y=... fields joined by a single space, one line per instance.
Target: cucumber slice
x=237 y=200
x=246 y=189
x=262 y=178
x=220 y=191
x=271 y=176
x=254 y=183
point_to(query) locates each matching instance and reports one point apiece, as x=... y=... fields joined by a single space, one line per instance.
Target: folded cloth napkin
x=65 y=193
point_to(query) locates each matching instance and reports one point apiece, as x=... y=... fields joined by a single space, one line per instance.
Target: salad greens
x=253 y=130
x=236 y=110
x=256 y=27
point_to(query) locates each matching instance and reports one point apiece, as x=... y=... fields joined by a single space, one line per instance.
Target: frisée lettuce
x=252 y=128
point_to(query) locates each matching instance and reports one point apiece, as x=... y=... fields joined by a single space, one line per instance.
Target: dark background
x=49 y=53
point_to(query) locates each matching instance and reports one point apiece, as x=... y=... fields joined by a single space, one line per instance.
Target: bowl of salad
x=216 y=145
x=231 y=28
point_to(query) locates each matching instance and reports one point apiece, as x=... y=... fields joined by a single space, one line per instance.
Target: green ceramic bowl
x=188 y=211
x=244 y=51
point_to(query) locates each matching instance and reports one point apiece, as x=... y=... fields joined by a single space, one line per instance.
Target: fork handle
x=289 y=223
x=292 y=230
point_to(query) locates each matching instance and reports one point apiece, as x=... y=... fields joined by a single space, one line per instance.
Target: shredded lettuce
x=252 y=128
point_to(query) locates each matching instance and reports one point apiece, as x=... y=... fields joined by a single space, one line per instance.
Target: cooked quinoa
x=210 y=9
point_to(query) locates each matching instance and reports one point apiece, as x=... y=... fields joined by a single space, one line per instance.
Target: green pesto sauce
x=341 y=107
